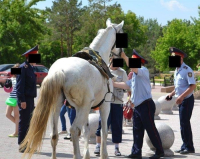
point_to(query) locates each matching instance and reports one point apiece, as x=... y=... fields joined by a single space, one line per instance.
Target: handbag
x=11 y=102
x=127 y=110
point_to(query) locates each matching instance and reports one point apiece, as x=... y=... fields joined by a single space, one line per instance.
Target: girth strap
x=98 y=105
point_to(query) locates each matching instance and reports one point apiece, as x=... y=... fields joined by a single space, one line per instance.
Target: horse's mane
x=100 y=38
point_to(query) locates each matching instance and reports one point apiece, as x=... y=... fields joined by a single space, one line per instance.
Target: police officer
x=26 y=92
x=144 y=109
x=184 y=83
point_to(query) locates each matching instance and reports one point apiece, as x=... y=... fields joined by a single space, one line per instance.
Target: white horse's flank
x=84 y=87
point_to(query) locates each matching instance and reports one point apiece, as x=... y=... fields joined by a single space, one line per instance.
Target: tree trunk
x=61 y=41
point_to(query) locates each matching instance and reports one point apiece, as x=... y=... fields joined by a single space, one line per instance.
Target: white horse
x=84 y=87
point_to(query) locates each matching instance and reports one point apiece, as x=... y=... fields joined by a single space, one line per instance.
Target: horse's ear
x=119 y=26
x=108 y=22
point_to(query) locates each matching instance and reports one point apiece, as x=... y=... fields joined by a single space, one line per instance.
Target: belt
x=146 y=101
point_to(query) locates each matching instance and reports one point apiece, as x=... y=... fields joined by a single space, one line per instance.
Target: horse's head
x=116 y=52
x=105 y=41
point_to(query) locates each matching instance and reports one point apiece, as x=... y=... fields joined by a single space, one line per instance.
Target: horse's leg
x=54 y=125
x=104 y=111
x=86 y=131
x=75 y=130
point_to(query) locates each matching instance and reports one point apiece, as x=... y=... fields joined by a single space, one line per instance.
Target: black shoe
x=68 y=137
x=157 y=156
x=134 y=156
x=186 y=152
x=178 y=151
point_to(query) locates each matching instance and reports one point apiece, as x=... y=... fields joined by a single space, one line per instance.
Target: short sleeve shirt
x=140 y=86
x=121 y=77
x=183 y=78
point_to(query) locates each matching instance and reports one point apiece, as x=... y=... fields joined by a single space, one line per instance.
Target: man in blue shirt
x=144 y=109
x=26 y=92
x=184 y=83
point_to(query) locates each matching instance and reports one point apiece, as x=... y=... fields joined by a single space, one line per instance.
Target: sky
x=162 y=10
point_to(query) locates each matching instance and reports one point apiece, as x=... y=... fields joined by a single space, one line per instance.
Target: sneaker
x=68 y=137
x=62 y=132
x=97 y=150
x=117 y=152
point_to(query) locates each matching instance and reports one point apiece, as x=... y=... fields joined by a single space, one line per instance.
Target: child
x=10 y=109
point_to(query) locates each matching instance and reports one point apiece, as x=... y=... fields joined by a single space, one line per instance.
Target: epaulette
x=185 y=67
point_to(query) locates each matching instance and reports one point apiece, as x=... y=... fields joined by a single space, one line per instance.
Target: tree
x=64 y=21
x=179 y=34
x=153 y=32
x=21 y=28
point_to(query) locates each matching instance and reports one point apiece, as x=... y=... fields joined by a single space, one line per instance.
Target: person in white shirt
x=115 y=118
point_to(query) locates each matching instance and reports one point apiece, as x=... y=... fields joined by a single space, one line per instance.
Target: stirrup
x=109 y=101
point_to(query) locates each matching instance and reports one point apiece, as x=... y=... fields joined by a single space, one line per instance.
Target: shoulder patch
x=190 y=74
x=185 y=67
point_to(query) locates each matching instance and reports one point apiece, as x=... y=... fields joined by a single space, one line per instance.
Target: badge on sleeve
x=190 y=74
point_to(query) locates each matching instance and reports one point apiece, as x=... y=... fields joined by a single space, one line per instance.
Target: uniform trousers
x=185 y=113
x=115 y=119
x=24 y=118
x=143 y=119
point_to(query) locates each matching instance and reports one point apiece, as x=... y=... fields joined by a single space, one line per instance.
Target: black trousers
x=115 y=120
x=24 y=118
x=143 y=119
x=185 y=113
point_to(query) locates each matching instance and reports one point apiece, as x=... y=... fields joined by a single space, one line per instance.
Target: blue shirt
x=140 y=86
x=182 y=79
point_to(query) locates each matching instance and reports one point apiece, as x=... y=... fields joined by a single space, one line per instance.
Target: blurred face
x=33 y=64
x=111 y=66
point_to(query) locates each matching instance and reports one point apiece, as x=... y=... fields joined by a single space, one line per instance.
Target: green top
x=199 y=68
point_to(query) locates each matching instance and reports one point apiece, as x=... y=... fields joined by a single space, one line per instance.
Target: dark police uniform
x=144 y=110
x=26 y=92
x=183 y=78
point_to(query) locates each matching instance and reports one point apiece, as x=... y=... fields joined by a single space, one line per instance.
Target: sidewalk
x=9 y=147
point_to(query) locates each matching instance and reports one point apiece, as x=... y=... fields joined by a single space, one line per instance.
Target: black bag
x=8 y=83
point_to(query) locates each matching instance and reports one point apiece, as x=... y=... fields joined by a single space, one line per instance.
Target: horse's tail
x=49 y=92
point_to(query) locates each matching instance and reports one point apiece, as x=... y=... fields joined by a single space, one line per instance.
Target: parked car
x=40 y=71
x=4 y=67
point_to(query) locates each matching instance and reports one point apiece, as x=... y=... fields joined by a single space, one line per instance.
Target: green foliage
x=67 y=27
x=180 y=34
x=152 y=32
x=21 y=28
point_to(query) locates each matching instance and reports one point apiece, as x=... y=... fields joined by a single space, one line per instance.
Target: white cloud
x=173 y=4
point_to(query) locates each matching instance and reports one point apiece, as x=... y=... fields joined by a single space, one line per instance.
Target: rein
x=120 y=51
x=114 y=54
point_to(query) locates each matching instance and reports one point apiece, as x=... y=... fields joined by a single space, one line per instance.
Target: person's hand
x=179 y=100
x=123 y=55
x=23 y=105
x=170 y=96
x=132 y=105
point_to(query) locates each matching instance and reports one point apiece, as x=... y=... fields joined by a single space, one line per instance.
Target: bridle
x=120 y=49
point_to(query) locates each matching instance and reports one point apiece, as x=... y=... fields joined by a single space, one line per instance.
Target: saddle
x=95 y=59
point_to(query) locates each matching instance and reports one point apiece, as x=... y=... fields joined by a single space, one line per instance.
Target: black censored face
x=175 y=61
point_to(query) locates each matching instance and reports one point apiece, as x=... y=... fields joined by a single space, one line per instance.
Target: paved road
x=9 y=147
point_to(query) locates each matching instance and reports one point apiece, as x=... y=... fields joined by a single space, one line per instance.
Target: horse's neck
x=103 y=47
x=103 y=50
